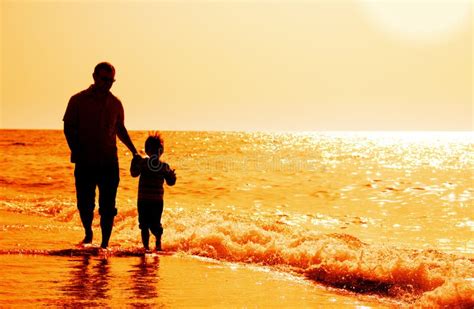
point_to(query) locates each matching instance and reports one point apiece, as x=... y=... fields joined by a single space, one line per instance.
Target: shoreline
x=179 y=279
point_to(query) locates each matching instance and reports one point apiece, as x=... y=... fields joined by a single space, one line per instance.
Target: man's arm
x=122 y=134
x=72 y=140
x=70 y=128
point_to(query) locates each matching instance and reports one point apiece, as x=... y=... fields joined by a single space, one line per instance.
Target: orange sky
x=243 y=65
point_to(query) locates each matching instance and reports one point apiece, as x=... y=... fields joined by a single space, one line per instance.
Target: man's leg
x=85 y=194
x=108 y=184
x=145 y=238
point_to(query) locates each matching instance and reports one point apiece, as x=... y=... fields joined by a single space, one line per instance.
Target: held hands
x=134 y=166
x=136 y=158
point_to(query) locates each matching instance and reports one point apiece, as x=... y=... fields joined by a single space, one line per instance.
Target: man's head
x=154 y=144
x=104 y=76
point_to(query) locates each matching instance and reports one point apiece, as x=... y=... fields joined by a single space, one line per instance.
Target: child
x=153 y=173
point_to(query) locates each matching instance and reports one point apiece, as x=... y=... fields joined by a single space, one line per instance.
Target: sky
x=248 y=65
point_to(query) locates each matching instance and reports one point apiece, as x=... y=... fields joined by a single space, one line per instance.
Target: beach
x=37 y=277
x=256 y=219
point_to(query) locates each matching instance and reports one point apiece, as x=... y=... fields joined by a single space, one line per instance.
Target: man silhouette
x=94 y=118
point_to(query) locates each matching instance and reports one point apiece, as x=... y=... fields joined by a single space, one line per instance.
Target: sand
x=32 y=277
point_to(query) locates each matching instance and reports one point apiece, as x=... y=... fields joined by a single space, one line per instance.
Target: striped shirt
x=153 y=173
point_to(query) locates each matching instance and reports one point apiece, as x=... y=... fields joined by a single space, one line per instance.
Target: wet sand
x=171 y=281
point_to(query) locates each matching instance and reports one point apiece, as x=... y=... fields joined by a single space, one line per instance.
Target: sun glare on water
x=403 y=137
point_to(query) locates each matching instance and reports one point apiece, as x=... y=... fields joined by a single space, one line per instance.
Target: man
x=93 y=119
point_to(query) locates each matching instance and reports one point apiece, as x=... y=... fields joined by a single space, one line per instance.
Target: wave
x=25 y=184
x=419 y=277
x=337 y=260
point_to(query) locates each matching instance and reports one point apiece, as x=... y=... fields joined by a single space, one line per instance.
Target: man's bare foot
x=88 y=238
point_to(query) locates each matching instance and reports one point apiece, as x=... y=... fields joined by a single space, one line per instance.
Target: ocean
x=302 y=219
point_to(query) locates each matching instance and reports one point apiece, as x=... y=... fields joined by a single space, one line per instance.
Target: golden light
x=424 y=20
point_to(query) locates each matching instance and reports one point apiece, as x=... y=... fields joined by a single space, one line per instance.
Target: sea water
x=385 y=214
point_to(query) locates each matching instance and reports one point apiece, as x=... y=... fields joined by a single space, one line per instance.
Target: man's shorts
x=106 y=178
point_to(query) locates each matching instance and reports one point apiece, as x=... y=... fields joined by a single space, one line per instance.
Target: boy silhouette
x=153 y=173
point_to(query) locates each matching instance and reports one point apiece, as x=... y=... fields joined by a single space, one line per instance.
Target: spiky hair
x=154 y=142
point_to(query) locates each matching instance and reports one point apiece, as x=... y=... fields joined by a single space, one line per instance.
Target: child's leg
x=157 y=230
x=143 y=223
x=156 y=227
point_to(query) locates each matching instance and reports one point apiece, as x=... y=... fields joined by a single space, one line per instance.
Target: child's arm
x=170 y=175
x=135 y=165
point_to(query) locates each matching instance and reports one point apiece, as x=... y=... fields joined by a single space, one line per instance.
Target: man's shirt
x=96 y=121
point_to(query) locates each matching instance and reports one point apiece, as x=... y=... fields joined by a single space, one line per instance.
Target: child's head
x=154 y=144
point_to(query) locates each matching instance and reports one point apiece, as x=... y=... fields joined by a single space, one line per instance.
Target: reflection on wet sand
x=144 y=278
x=88 y=285
x=91 y=282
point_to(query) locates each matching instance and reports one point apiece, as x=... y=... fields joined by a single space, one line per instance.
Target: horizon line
x=266 y=131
